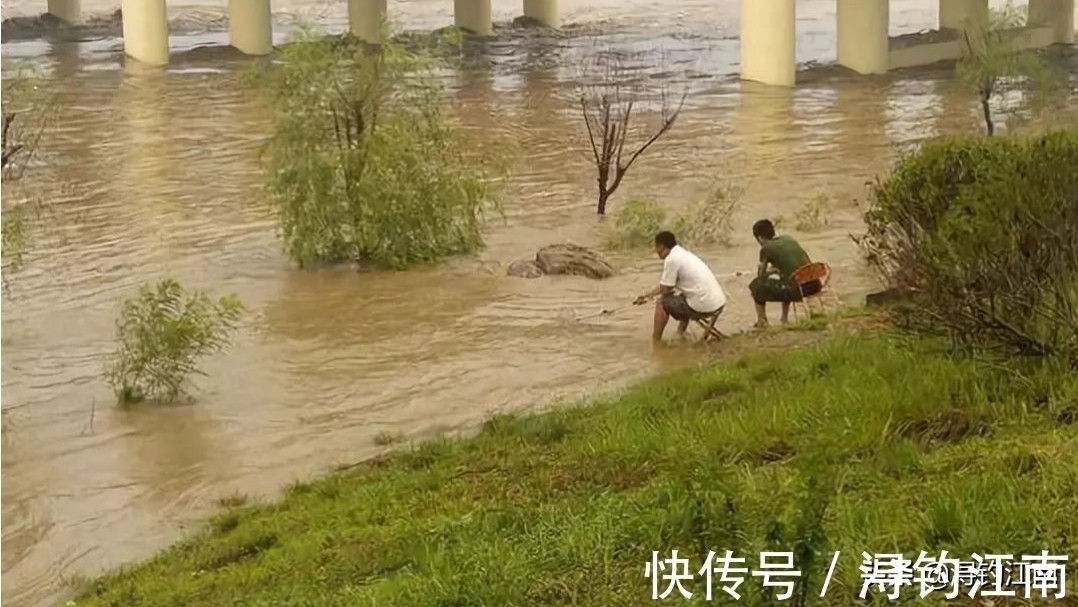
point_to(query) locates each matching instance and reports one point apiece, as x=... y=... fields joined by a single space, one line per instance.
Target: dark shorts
x=679 y=309
x=781 y=290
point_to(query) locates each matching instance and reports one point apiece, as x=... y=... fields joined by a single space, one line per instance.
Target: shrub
x=813 y=216
x=636 y=224
x=985 y=233
x=163 y=332
x=706 y=222
x=710 y=221
x=363 y=166
x=28 y=111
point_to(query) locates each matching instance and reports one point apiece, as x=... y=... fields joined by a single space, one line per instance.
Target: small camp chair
x=807 y=273
x=707 y=323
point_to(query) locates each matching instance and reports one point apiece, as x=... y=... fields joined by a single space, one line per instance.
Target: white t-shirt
x=689 y=274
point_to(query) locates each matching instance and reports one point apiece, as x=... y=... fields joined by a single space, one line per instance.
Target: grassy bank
x=861 y=443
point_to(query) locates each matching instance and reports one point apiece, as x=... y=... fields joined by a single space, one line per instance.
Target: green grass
x=864 y=443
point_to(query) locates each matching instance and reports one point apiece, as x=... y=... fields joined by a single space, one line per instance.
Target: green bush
x=706 y=222
x=984 y=232
x=364 y=166
x=28 y=111
x=636 y=224
x=163 y=332
x=813 y=216
x=710 y=221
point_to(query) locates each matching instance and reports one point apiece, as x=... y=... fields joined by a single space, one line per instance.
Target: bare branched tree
x=608 y=114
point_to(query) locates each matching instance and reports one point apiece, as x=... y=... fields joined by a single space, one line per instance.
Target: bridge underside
x=768 y=36
x=768 y=47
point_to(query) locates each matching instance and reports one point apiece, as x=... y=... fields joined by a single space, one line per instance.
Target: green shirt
x=784 y=253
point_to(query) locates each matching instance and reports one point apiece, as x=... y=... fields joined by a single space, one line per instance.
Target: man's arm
x=763 y=270
x=659 y=290
x=666 y=283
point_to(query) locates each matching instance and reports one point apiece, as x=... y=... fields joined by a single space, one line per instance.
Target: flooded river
x=155 y=173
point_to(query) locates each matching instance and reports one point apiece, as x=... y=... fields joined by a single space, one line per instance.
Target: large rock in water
x=574 y=260
x=524 y=268
x=562 y=259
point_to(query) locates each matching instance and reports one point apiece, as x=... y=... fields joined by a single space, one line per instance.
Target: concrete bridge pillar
x=543 y=11
x=366 y=19
x=769 y=41
x=250 y=24
x=863 y=35
x=145 y=25
x=473 y=16
x=1059 y=14
x=962 y=14
x=65 y=10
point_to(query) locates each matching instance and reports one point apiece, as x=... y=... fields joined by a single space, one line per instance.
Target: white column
x=961 y=14
x=473 y=16
x=543 y=11
x=1059 y=14
x=250 y=24
x=146 y=30
x=864 y=35
x=769 y=41
x=65 y=10
x=366 y=18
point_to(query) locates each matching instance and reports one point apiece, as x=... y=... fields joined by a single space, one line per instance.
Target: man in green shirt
x=780 y=257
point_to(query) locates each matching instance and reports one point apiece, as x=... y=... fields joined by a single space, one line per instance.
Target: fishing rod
x=615 y=310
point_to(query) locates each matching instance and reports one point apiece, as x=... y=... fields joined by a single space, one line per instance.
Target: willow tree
x=994 y=68
x=608 y=111
x=364 y=165
x=27 y=112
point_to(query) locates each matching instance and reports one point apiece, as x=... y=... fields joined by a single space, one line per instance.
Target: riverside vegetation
x=884 y=441
x=163 y=333
x=364 y=165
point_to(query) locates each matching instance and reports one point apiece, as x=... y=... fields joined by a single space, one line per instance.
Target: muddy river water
x=155 y=173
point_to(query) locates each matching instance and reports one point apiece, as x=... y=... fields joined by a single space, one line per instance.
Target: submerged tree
x=163 y=334
x=994 y=69
x=27 y=112
x=607 y=109
x=364 y=165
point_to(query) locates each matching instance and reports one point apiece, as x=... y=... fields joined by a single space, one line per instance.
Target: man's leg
x=661 y=318
x=758 y=287
x=682 y=327
x=761 y=316
x=785 y=311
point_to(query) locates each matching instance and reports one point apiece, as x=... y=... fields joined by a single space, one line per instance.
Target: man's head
x=664 y=243
x=763 y=230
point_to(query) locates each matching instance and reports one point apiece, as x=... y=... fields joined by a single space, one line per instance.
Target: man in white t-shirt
x=688 y=288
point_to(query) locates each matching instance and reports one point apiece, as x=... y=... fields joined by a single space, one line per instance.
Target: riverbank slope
x=861 y=442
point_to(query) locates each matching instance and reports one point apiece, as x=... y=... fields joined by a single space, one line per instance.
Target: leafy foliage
x=163 y=333
x=708 y=221
x=993 y=68
x=636 y=224
x=27 y=112
x=364 y=166
x=985 y=231
x=813 y=216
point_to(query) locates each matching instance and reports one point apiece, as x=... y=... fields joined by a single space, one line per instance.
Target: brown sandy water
x=153 y=173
